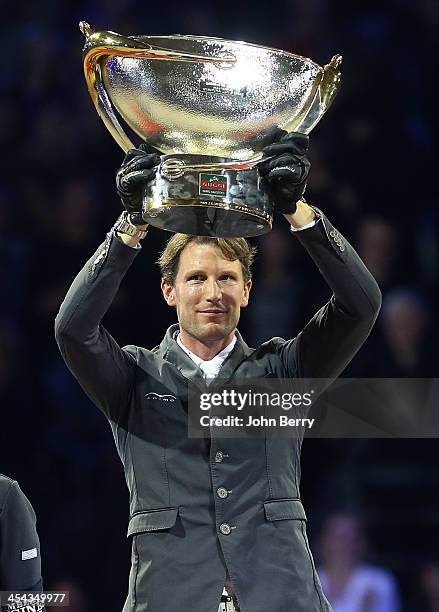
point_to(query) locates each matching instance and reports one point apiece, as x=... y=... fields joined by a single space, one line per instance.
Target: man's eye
x=196 y=277
x=227 y=277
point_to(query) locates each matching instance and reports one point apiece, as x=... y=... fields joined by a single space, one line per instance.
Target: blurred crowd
x=374 y=173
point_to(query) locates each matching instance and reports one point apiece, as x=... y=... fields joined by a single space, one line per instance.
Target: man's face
x=208 y=292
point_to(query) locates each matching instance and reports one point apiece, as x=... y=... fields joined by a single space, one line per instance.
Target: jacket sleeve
x=20 y=561
x=335 y=333
x=103 y=369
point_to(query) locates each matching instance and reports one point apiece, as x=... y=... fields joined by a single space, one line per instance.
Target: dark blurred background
x=374 y=173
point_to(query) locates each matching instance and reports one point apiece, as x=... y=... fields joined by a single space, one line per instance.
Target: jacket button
x=222 y=492
x=225 y=528
x=341 y=248
x=332 y=233
x=219 y=456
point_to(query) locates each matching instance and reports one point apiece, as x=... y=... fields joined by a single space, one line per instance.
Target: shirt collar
x=221 y=356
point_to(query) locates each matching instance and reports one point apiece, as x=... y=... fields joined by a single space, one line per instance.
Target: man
x=210 y=512
x=20 y=561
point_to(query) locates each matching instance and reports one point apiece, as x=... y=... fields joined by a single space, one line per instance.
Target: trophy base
x=218 y=203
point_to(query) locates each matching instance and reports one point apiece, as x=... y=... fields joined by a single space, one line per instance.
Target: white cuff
x=299 y=229
x=310 y=224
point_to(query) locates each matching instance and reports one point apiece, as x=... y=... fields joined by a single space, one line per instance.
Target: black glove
x=137 y=168
x=287 y=172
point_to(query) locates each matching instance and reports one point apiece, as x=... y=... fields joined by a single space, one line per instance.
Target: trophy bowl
x=209 y=106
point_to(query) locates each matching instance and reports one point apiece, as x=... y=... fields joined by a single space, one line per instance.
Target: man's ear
x=168 y=293
x=246 y=294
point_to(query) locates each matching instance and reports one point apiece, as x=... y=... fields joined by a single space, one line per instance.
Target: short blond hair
x=231 y=248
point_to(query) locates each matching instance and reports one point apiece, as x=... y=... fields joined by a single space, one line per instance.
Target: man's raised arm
x=335 y=333
x=102 y=368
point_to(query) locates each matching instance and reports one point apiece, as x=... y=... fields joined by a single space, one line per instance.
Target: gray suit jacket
x=180 y=552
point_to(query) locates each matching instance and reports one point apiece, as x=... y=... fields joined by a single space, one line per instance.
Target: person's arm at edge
x=18 y=537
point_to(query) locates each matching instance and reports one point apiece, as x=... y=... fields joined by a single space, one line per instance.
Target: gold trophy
x=209 y=106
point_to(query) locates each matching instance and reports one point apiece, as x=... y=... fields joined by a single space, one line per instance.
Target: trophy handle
x=330 y=82
x=324 y=96
x=103 y=44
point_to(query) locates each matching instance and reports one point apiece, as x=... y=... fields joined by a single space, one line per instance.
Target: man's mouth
x=213 y=311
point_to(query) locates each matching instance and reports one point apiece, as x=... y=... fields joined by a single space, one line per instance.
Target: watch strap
x=123 y=225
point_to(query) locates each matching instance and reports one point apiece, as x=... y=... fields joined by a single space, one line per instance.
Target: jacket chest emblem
x=160 y=398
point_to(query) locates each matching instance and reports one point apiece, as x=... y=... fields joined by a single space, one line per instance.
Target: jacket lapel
x=170 y=351
x=239 y=354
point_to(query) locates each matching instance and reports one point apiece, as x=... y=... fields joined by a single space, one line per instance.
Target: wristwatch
x=124 y=226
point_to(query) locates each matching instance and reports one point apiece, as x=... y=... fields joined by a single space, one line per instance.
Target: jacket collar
x=172 y=352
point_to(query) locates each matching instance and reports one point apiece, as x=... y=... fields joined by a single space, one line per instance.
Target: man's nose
x=212 y=290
